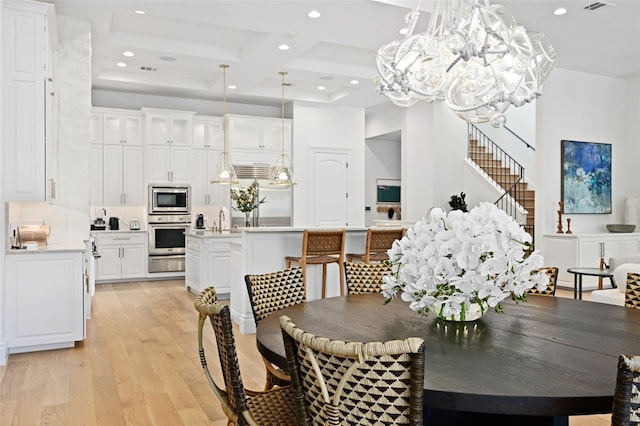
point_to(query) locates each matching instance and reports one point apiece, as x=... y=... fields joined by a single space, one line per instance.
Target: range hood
x=253 y=171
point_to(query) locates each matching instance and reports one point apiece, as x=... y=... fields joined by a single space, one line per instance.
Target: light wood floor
x=138 y=366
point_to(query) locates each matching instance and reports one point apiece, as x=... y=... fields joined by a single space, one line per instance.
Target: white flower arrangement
x=452 y=260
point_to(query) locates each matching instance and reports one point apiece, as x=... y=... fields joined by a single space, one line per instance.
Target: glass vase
x=247 y=219
x=472 y=312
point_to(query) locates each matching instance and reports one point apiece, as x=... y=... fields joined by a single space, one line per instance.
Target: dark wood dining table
x=535 y=364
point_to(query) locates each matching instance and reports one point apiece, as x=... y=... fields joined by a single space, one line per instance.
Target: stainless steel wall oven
x=169 y=218
x=167 y=242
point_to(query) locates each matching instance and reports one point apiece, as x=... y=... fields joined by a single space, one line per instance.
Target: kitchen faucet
x=220 y=219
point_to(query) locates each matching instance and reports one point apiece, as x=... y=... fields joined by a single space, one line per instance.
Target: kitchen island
x=207 y=261
x=262 y=250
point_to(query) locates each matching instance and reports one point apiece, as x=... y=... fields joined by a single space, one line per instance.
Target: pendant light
x=225 y=173
x=282 y=175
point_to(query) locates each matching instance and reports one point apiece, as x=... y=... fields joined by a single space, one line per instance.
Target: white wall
x=632 y=142
x=318 y=125
x=580 y=107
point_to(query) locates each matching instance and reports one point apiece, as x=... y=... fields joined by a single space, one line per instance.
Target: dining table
x=536 y=363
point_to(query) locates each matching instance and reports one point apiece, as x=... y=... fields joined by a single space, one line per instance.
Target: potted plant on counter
x=247 y=200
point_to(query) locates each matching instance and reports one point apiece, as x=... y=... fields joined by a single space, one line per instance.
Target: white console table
x=262 y=250
x=584 y=251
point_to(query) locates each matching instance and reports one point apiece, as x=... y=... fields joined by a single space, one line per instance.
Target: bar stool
x=377 y=244
x=321 y=248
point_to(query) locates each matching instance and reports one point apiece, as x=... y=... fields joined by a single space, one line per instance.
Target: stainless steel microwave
x=169 y=199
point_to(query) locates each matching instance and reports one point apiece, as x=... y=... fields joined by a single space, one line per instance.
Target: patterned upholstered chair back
x=273 y=291
x=240 y=406
x=626 y=405
x=348 y=383
x=268 y=293
x=365 y=277
x=632 y=292
x=550 y=290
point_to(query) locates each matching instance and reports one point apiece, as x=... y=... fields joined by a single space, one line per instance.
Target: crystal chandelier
x=282 y=175
x=473 y=56
x=224 y=172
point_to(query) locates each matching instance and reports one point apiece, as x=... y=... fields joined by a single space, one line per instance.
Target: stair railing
x=504 y=170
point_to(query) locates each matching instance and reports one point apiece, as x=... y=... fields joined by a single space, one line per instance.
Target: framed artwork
x=586 y=177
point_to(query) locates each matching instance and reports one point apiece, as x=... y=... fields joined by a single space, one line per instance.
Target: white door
x=329 y=188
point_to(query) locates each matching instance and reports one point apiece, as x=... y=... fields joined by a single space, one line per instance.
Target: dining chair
x=365 y=277
x=626 y=398
x=550 y=290
x=344 y=383
x=268 y=293
x=632 y=291
x=376 y=245
x=241 y=406
x=321 y=247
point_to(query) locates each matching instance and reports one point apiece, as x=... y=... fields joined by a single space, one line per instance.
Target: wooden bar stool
x=321 y=248
x=377 y=244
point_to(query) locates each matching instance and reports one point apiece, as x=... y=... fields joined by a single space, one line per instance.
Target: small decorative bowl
x=620 y=227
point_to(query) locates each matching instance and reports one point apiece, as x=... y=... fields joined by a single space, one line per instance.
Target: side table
x=594 y=272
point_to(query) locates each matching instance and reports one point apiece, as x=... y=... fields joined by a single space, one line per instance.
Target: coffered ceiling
x=179 y=45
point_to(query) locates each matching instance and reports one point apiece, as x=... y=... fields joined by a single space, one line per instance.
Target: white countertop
x=119 y=231
x=206 y=233
x=52 y=248
x=265 y=229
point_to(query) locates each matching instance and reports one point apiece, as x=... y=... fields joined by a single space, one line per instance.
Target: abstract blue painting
x=586 y=177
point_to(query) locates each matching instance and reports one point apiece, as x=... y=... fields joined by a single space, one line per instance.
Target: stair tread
x=504 y=178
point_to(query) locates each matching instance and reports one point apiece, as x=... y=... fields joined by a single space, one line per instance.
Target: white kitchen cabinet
x=121 y=128
x=168 y=164
x=208 y=262
x=207 y=146
x=168 y=136
x=30 y=103
x=584 y=251
x=168 y=127
x=257 y=139
x=44 y=300
x=116 y=158
x=203 y=192
x=208 y=132
x=123 y=184
x=123 y=255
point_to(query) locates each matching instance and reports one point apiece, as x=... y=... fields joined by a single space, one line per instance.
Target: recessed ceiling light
x=128 y=53
x=403 y=31
x=322 y=88
x=283 y=47
x=140 y=12
x=121 y=64
x=354 y=82
x=232 y=86
x=560 y=11
x=167 y=58
x=313 y=14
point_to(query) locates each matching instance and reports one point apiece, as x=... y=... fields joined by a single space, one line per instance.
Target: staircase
x=506 y=173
